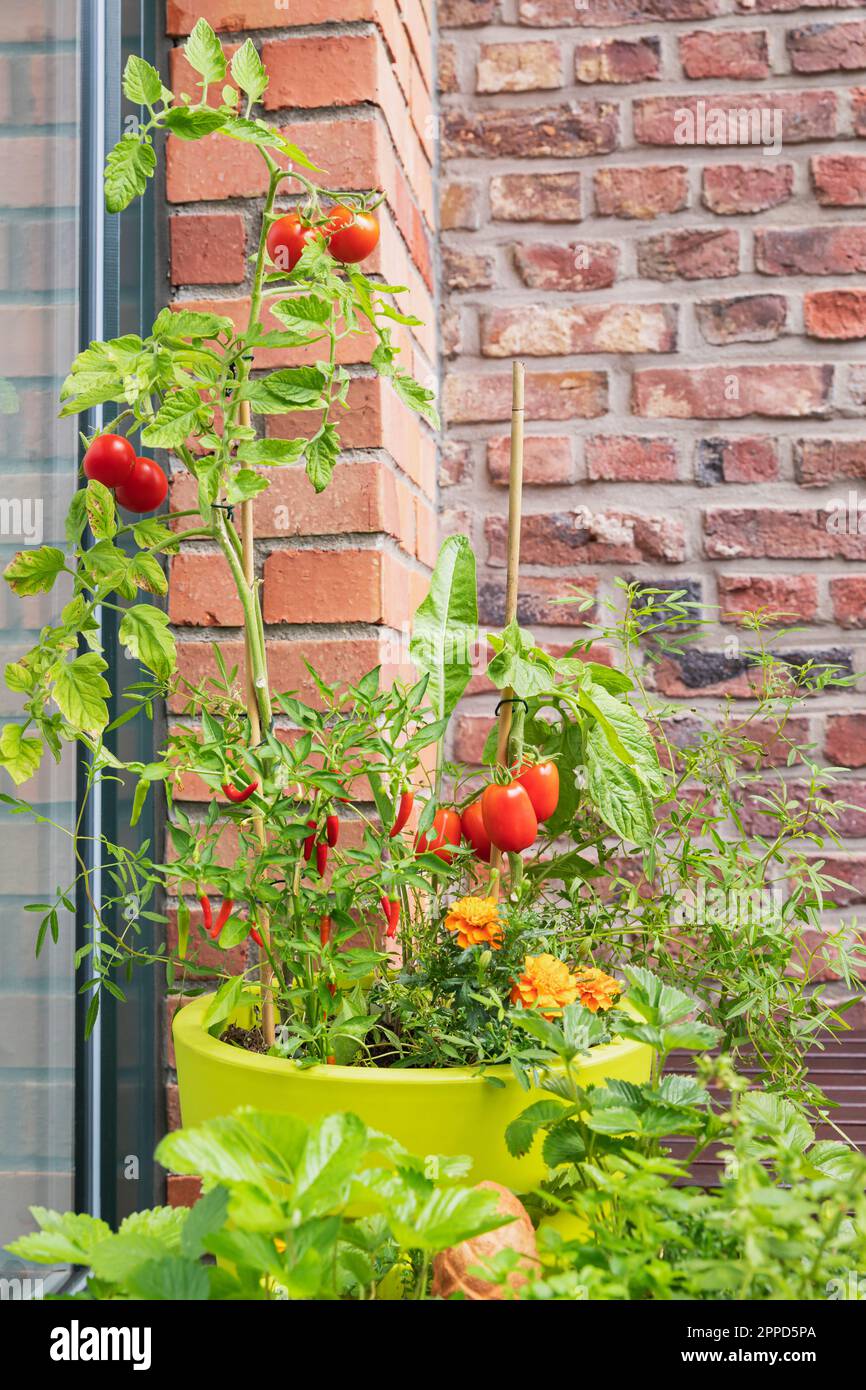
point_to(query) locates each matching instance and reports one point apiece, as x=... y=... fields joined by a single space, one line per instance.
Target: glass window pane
x=39 y=275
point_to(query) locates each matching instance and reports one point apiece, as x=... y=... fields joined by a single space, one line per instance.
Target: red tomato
x=472 y=825
x=509 y=818
x=540 y=781
x=287 y=238
x=109 y=459
x=446 y=828
x=354 y=234
x=144 y=489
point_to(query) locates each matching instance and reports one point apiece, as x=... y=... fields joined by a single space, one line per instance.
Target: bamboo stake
x=515 y=511
x=263 y=922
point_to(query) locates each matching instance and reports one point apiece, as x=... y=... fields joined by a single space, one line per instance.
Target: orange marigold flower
x=475 y=922
x=546 y=984
x=595 y=990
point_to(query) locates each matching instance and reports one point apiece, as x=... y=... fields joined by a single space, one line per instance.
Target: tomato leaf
x=127 y=169
x=322 y=453
x=204 y=52
x=248 y=71
x=416 y=396
x=193 y=125
x=244 y=484
x=100 y=510
x=176 y=419
x=147 y=573
x=19 y=755
x=617 y=792
x=294 y=388
x=445 y=629
x=142 y=84
x=34 y=571
x=188 y=323
x=80 y=692
x=145 y=633
x=272 y=451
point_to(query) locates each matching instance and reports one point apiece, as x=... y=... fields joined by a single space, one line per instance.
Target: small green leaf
x=80 y=692
x=445 y=628
x=177 y=418
x=19 y=755
x=243 y=484
x=322 y=453
x=193 y=125
x=144 y=631
x=100 y=510
x=204 y=52
x=34 y=571
x=418 y=398
x=142 y=84
x=272 y=451
x=248 y=71
x=127 y=169
x=147 y=573
x=293 y=388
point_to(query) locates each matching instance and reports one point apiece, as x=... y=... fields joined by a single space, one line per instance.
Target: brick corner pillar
x=351 y=83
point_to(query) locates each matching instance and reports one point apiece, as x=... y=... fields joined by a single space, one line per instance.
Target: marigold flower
x=475 y=922
x=595 y=990
x=546 y=984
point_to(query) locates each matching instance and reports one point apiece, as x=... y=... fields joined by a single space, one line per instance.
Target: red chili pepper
x=404 y=811
x=391 y=909
x=332 y=1061
x=256 y=935
x=206 y=914
x=321 y=859
x=325 y=930
x=309 y=842
x=332 y=830
x=244 y=794
x=223 y=916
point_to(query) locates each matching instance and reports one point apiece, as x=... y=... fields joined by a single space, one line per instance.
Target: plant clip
x=511 y=700
x=227 y=507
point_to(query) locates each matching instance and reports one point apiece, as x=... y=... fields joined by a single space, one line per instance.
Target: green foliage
x=276 y=1192
x=446 y=626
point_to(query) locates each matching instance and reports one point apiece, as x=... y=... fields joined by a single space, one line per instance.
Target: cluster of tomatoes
x=506 y=815
x=139 y=484
x=350 y=234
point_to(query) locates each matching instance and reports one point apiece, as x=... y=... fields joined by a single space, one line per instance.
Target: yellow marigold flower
x=595 y=990
x=546 y=984
x=475 y=922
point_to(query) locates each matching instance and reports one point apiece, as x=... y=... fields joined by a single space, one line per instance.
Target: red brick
x=732 y=53
x=590 y=265
x=207 y=248
x=747 y=318
x=477 y=396
x=335 y=586
x=793 y=595
x=535 y=197
x=738 y=675
x=202 y=592
x=630 y=458
x=827 y=47
x=848 y=597
x=696 y=254
x=201 y=950
x=777 y=533
x=728 y=393
x=617 y=60
x=228 y=16
x=451 y=330
x=547 y=332
x=742 y=459
x=572 y=131
x=858 y=109
x=466 y=270
x=818 y=462
x=470 y=736
x=811 y=250
x=455 y=462
x=839 y=180
x=848 y=820
x=676 y=120
x=851 y=870
x=460 y=206
x=641 y=193
x=735 y=188
x=609 y=13
x=448 y=79
x=539 y=602
x=547 y=460
x=182 y=1190
x=837 y=314
x=581 y=537
x=458 y=14
x=518 y=67
x=845 y=743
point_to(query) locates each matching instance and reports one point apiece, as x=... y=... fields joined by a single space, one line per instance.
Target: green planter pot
x=429 y=1110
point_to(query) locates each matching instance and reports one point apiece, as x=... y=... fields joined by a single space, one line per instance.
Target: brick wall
x=352 y=83
x=692 y=319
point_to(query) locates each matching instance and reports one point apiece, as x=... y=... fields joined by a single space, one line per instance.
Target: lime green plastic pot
x=429 y=1110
